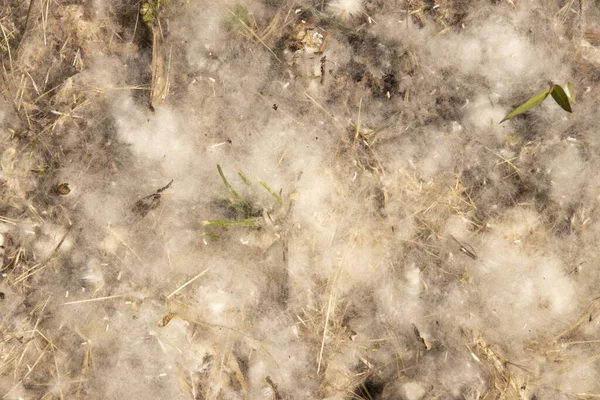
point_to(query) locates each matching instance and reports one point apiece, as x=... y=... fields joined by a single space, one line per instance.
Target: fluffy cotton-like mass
x=283 y=200
x=346 y=8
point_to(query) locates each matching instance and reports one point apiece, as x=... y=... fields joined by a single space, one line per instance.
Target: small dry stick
x=468 y=251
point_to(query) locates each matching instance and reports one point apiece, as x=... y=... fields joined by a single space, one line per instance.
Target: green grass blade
x=529 y=104
x=244 y=177
x=277 y=196
x=230 y=188
x=559 y=95
x=242 y=209
x=226 y=223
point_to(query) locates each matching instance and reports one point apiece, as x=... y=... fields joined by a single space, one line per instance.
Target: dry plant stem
x=160 y=80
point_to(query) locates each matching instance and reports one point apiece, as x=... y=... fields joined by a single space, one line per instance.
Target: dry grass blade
x=180 y=288
x=7 y=44
x=92 y=300
x=252 y=32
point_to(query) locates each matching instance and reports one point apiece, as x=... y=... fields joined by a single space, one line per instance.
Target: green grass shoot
x=557 y=93
x=235 y=194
